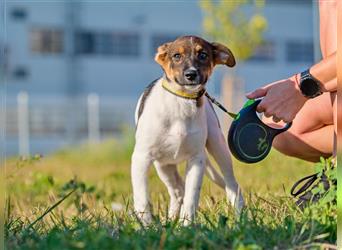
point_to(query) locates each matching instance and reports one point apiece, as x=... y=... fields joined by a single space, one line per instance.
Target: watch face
x=309 y=87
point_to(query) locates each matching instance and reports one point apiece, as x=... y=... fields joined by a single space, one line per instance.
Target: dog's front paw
x=239 y=205
x=186 y=217
x=144 y=217
x=235 y=199
x=174 y=209
x=186 y=222
x=173 y=214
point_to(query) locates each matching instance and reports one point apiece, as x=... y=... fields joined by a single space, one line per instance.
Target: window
x=160 y=39
x=3 y=59
x=46 y=41
x=299 y=51
x=85 y=43
x=126 y=44
x=265 y=52
x=20 y=72
x=18 y=14
x=107 y=43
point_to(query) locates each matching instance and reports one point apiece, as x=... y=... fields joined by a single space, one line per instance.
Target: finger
x=267 y=114
x=287 y=119
x=260 y=92
x=257 y=93
x=276 y=119
x=261 y=108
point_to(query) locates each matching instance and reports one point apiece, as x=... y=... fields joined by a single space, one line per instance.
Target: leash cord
x=213 y=100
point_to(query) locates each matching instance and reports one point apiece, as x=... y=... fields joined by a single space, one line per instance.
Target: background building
x=59 y=52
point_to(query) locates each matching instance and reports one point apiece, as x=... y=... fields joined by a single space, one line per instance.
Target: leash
x=213 y=100
x=249 y=139
x=309 y=181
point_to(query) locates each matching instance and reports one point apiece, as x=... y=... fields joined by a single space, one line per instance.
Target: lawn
x=81 y=198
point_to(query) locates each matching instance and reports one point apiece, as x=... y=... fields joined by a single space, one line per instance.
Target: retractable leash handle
x=250 y=140
x=273 y=131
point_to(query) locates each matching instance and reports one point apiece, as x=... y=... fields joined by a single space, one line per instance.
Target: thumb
x=260 y=92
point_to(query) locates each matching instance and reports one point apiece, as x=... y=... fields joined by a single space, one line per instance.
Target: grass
x=97 y=214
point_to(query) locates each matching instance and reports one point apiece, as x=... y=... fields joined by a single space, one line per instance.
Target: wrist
x=296 y=82
x=319 y=80
x=296 y=79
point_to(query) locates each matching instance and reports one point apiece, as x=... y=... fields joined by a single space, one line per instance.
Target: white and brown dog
x=177 y=123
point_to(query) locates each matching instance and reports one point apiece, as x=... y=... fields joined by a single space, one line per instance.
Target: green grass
x=100 y=176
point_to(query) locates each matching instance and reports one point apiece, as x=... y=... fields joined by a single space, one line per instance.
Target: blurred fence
x=41 y=126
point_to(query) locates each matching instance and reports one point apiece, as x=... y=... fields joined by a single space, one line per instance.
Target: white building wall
x=46 y=73
x=120 y=80
x=110 y=75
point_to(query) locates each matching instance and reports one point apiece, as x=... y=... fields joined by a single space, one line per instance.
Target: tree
x=239 y=25
x=232 y=23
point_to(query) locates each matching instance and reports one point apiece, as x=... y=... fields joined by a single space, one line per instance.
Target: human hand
x=282 y=99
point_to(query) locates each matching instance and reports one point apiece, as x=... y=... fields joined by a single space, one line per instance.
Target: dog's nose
x=190 y=74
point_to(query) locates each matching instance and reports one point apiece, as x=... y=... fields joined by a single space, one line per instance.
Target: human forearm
x=330 y=86
x=283 y=99
x=325 y=72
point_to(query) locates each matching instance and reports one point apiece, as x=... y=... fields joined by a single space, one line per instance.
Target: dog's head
x=189 y=60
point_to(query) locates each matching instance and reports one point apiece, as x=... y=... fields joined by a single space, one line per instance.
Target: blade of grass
x=50 y=209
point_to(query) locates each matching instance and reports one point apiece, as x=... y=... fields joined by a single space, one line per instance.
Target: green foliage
x=326 y=167
x=81 y=188
x=231 y=23
x=325 y=209
x=117 y=151
x=260 y=226
x=48 y=207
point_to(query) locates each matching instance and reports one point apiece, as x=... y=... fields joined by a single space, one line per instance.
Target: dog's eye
x=203 y=56
x=177 y=56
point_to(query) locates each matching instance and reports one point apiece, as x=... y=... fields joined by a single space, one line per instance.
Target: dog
x=175 y=122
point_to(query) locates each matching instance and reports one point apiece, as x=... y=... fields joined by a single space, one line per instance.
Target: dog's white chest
x=180 y=141
x=172 y=129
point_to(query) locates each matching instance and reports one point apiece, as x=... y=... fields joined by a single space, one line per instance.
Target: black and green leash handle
x=249 y=139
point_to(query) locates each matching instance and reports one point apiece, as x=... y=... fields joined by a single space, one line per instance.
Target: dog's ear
x=162 y=53
x=223 y=55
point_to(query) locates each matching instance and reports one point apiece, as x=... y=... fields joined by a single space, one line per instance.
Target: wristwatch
x=309 y=85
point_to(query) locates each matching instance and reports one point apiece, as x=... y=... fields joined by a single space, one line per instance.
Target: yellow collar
x=166 y=85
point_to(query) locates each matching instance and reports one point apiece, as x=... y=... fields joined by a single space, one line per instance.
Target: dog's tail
x=213 y=175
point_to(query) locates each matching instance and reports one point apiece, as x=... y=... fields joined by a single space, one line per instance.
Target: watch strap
x=307 y=75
